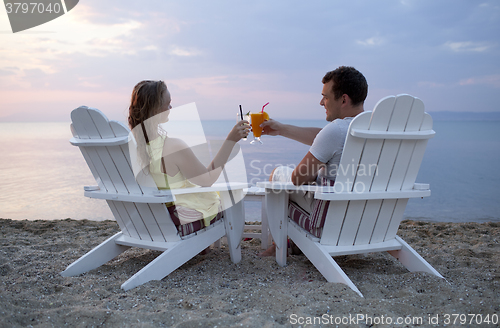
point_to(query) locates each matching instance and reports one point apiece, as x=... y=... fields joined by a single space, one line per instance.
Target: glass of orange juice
x=256 y=119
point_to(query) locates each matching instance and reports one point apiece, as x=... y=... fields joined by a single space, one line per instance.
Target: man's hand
x=271 y=127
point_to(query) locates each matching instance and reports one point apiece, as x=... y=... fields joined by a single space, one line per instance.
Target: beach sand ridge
x=211 y=291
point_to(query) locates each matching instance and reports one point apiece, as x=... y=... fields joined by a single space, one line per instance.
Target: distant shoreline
x=465 y=116
x=436 y=115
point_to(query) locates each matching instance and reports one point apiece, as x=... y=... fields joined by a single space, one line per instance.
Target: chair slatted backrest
x=111 y=167
x=382 y=152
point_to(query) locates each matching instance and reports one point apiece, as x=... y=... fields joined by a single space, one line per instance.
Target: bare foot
x=271 y=251
x=205 y=251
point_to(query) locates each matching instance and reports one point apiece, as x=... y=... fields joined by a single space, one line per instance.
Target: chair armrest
x=135 y=198
x=214 y=187
x=328 y=193
x=159 y=196
x=412 y=135
x=277 y=186
x=372 y=195
x=255 y=191
x=421 y=186
x=116 y=141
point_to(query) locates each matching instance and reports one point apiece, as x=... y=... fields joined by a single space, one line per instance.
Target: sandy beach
x=211 y=291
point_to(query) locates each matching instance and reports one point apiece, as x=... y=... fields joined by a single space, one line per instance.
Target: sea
x=42 y=175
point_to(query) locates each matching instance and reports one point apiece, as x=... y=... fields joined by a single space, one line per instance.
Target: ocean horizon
x=43 y=175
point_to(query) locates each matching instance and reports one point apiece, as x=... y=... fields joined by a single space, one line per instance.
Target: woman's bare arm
x=191 y=167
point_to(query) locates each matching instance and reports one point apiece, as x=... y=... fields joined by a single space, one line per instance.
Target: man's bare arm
x=304 y=135
x=307 y=170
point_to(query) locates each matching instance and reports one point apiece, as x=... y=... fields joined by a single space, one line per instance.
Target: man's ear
x=346 y=100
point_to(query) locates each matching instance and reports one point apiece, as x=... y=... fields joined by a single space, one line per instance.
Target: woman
x=171 y=162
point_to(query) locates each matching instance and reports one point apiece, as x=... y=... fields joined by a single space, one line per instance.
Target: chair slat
x=113 y=157
x=123 y=161
x=124 y=170
x=106 y=156
x=118 y=218
x=100 y=167
x=143 y=184
x=370 y=161
x=120 y=172
x=383 y=220
x=418 y=155
x=83 y=124
x=144 y=212
x=93 y=168
x=333 y=222
x=385 y=165
x=406 y=152
x=400 y=114
x=353 y=148
x=397 y=217
x=392 y=148
x=416 y=116
x=368 y=221
x=125 y=218
x=351 y=222
x=368 y=166
x=162 y=217
x=382 y=115
x=101 y=124
x=137 y=220
x=401 y=163
x=83 y=127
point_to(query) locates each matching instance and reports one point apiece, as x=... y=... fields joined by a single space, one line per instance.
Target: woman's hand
x=239 y=131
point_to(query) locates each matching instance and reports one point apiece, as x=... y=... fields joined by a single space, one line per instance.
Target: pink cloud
x=492 y=80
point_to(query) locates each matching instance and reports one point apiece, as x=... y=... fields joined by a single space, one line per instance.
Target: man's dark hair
x=348 y=80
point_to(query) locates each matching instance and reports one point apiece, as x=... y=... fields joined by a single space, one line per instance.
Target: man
x=344 y=92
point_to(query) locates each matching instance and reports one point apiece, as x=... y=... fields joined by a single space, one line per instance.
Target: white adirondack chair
x=365 y=210
x=139 y=208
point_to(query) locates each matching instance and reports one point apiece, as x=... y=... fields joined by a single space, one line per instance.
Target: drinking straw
x=264 y=106
x=241 y=113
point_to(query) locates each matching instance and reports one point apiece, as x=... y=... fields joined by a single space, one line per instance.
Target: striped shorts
x=309 y=213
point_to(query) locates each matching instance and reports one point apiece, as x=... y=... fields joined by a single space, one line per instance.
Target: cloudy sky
x=221 y=54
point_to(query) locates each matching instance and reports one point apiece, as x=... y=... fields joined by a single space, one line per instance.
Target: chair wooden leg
x=412 y=260
x=101 y=254
x=160 y=267
x=164 y=264
x=234 y=220
x=174 y=257
x=321 y=259
x=276 y=206
x=265 y=236
x=281 y=252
